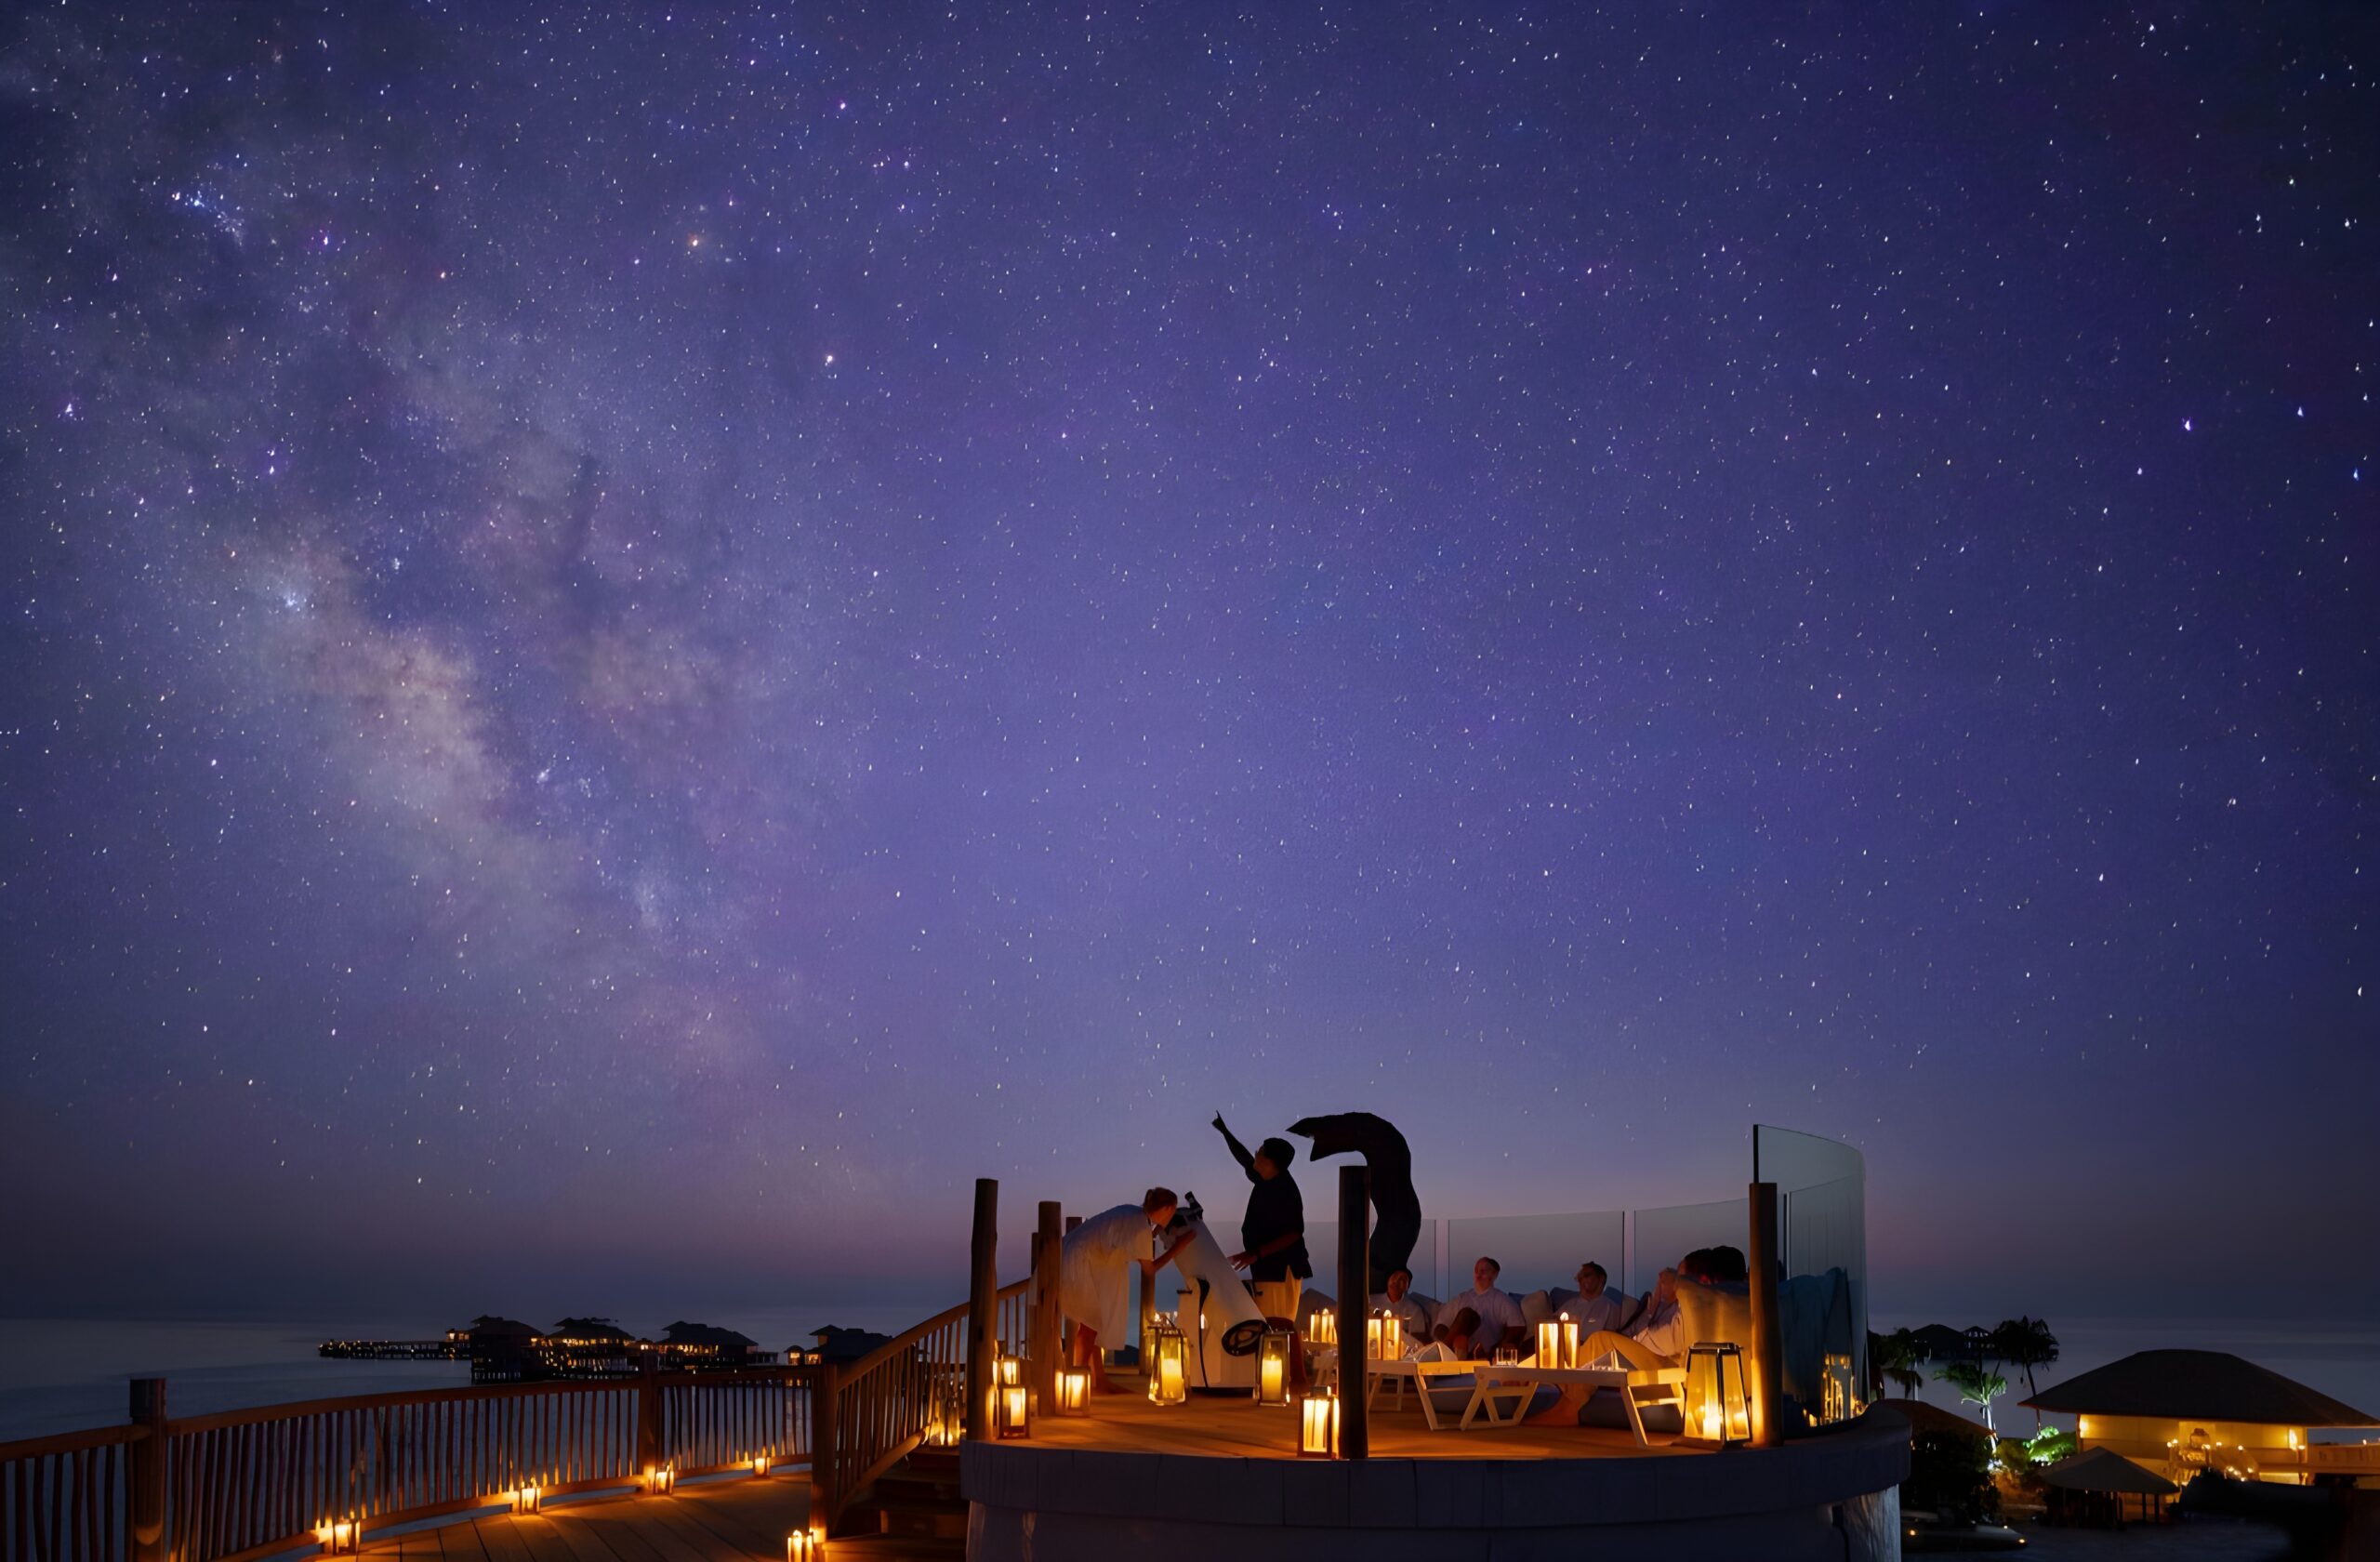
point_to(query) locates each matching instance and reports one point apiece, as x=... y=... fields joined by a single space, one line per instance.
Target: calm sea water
x=62 y=1374
x=57 y=1375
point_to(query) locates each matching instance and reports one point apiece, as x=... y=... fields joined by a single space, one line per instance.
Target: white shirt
x=1497 y=1313
x=1410 y=1317
x=1662 y=1330
x=1592 y=1313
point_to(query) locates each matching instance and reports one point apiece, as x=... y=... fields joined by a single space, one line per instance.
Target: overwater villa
x=1740 y=1432
x=2177 y=1412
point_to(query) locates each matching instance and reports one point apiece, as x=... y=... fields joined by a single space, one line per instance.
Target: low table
x=1492 y=1403
x=1655 y=1386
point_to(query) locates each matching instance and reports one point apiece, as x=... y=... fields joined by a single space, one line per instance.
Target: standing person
x=1272 y=1234
x=1096 y=1272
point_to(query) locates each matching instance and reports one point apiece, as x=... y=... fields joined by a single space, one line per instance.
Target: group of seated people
x=1476 y=1324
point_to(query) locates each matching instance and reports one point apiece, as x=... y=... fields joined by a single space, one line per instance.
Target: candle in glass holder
x=1318 y=1427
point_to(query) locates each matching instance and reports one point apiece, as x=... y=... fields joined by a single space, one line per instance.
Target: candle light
x=340 y=1535
x=1717 y=1408
x=1318 y=1427
x=1015 y=1407
x=1074 y=1392
x=1569 y=1341
x=1322 y=1326
x=759 y=1464
x=1273 y=1366
x=802 y=1546
x=659 y=1479
x=525 y=1500
x=1169 y=1382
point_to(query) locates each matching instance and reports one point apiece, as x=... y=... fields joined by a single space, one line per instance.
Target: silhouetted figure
x=1397 y=1209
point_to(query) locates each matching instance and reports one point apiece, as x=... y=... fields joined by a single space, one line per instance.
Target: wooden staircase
x=913 y=1513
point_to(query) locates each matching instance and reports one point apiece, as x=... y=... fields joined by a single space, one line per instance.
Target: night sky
x=637 y=644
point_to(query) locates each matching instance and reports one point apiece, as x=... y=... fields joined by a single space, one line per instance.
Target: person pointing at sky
x=1272 y=1234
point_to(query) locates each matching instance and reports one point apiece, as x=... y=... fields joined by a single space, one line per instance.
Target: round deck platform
x=1833 y=1496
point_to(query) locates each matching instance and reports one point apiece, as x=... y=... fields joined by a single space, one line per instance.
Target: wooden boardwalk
x=735 y=1519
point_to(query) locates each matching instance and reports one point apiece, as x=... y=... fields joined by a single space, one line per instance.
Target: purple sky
x=639 y=645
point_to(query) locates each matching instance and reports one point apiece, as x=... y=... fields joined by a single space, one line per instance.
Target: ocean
x=60 y=1374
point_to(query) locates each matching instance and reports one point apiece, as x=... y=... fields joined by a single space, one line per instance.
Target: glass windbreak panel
x=1662 y=1237
x=1822 y=1293
x=1539 y=1252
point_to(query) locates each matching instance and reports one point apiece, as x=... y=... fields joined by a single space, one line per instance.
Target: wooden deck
x=735 y=1519
x=1238 y=1428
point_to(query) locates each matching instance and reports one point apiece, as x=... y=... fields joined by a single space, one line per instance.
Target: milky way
x=652 y=640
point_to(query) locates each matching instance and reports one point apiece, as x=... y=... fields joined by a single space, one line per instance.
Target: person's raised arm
x=1239 y=1151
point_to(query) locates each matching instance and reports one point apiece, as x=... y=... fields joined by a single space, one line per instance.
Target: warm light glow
x=759 y=1464
x=1016 y=1411
x=659 y=1479
x=338 y=1535
x=1074 y=1391
x=1717 y=1398
x=1318 y=1427
x=802 y=1546
x=525 y=1500
x=1168 y=1373
x=1271 y=1377
x=1322 y=1326
x=1012 y=1370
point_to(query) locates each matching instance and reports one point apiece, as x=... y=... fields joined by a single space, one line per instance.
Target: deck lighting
x=526 y=1499
x=1014 y=1403
x=1318 y=1427
x=659 y=1480
x=1169 y=1379
x=1074 y=1391
x=802 y=1547
x=1273 y=1366
x=1717 y=1414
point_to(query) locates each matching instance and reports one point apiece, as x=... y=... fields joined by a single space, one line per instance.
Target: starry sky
x=640 y=640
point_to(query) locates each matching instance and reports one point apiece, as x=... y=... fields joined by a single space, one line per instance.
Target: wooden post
x=1354 y=1302
x=145 y=1472
x=1768 y=1364
x=1048 y=1250
x=983 y=1308
x=648 y=1414
x=825 y=1440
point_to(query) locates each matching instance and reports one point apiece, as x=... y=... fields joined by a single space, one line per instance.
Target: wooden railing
x=62 y=1499
x=911 y=1390
x=246 y=1484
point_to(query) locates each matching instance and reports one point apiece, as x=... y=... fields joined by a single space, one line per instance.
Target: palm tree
x=1977 y=1384
x=2027 y=1342
x=1897 y=1355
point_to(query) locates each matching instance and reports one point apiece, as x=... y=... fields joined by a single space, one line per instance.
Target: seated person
x=1660 y=1328
x=1719 y=1265
x=1455 y=1339
x=1597 y=1307
x=1500 y=1316
x=1399 y=1304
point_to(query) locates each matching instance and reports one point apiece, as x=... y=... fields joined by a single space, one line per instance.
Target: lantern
x=1840 y=1403
x=1383 y=1337
x=1014 y=1404
x=759 y=1464
x=1318 y=1427
x=1716 y=1412
x=1168 y=1369
x=1322 y=1328
x=802 y=1547
x=1012 y=1370
x=1074 y=1391
x=337 y=1536
x=525 y=1500
x=1273 y=1366
x=659 y=1479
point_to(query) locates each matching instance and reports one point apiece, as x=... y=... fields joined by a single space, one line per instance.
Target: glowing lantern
x=1168 y=1369
x=340 y=1535
x=1557 y=1343
x=1273 y=1366
x=1383 y=1337
x=1322 y=1328
x=802 y=1547
x=1839 y=1402
x=1717 y=1413
x=1318 y=1427
x=1015 y=1406
x=759 y=1464
x=525 y=1500
x=1074 y=1391
x=659 y=1480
